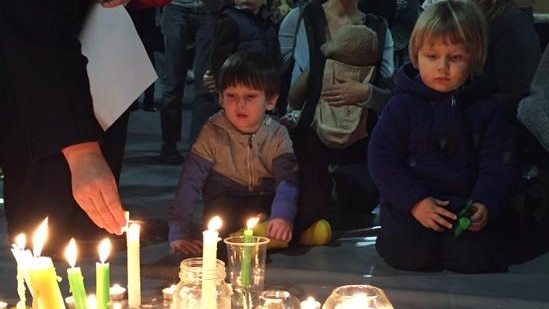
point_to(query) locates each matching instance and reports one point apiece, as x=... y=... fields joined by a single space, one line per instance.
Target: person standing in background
x=183 y=23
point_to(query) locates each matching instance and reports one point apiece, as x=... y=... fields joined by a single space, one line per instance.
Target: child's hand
x=209 y=81
x=186 y=246
x=430 y=212
x=346 y=92
x=279 y=229
x=479 y=217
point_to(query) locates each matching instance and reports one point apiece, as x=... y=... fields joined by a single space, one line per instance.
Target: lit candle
x=167 y=293
x=74 y=274
x=134 y=272
x=20 y=255
x=245 y=274
x=117 y=292
x=102 y=276
x=310 y=303
x=210 y=237
x=42 y=276
x=3 y=305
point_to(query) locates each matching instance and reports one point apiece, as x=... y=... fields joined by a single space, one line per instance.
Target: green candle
x=76 y=280
x=76 y=285
x=102 y=276
x=245 y=267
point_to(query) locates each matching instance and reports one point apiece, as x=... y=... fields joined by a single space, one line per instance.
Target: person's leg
x=174 y=29
x=405 y=244
x=235 y=210
x=204 y=103
x=472 y=252
x=315 y=184
x=114 y=143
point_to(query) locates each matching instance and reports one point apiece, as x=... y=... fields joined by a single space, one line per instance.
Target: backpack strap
x=315 y=25
x=379 y=25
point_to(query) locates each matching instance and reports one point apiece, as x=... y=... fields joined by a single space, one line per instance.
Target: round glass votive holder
x=246 y=262
x=276 y=299
x=357 y=296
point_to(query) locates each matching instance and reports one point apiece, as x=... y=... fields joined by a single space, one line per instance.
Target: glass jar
x=357 y=296
x=276 y=299
x=188 y=292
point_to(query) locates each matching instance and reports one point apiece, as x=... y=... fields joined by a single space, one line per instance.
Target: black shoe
x=151 y=109
x=170 y=155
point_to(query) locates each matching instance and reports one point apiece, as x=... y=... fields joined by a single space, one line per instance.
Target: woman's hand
x=346 y=92
x=94 y=187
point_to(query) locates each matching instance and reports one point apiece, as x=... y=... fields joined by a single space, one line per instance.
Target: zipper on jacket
x=250 y=165
x=453 y=132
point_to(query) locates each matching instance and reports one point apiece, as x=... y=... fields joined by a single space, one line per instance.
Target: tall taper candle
x=76 y=280
x=210 y=237
x=134 y=267
x=102 y=275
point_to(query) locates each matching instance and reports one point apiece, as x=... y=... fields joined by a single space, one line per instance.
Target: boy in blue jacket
x=439 y=147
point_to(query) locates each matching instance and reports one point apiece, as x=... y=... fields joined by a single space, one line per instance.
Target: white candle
x=310 y=303
x=210 y=237
x=18 y=251
x=134 y=267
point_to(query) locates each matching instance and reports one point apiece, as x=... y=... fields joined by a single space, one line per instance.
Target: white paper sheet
x=119 y=68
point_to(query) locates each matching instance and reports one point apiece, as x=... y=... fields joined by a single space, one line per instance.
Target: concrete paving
x=147 y=187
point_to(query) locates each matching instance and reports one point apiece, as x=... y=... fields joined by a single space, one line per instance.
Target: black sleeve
x=46 y=73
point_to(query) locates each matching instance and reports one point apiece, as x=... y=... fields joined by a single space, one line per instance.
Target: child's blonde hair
x=456 y=22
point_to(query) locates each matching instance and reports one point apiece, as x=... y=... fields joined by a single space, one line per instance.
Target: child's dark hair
x=252 y=69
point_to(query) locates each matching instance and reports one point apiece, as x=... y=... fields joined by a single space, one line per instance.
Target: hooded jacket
x=225 y=161
x=451 y=146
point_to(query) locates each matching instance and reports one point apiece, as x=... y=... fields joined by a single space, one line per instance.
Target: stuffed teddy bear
x=352 y=53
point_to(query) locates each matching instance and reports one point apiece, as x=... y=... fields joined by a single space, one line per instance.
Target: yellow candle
x=44 y=282
x=210 y=237
x=42 y=274
x=134 y=267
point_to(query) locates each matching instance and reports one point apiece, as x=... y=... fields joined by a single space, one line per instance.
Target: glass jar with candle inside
x=188 y=293
x=357 y=296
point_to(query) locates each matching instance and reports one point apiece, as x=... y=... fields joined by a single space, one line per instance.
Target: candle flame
x=39 y=238
x=71 y=252
x=21 y=241
x=104 y=249
x=215 y=223
x=310 y=299
x=252 y=222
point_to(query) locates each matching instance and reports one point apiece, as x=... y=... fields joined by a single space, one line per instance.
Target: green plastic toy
x=463 y=221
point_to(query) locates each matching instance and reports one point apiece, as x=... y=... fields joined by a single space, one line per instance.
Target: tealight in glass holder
x=276 y=299
x=357 y=297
